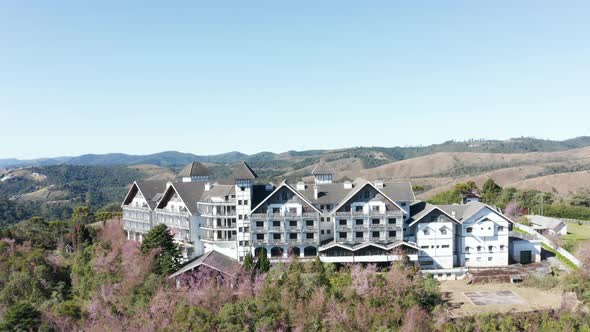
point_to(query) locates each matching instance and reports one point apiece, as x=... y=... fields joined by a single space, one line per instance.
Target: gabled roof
x=465 y=211
x=284 y=184
x=189 y=192
x=546 y=222
x=322 y=168
x=194 y=169
x=358 y=185
x=214 y=260
x=359 y=246
x=420 y=210
x=150 y=189
x=243 y=172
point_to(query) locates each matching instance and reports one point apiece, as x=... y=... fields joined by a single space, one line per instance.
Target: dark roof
x=189 y=192
x=335 y=193
x=151 y=189
x=243 y=172
x=420 y=210
x=213 y=260
x=355 y=247
x=218 y=190
x=322 y=168
x=194 y=169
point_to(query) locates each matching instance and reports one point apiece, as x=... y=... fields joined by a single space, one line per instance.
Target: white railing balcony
x=259 y=229
x=359 y=226
x=293 y=240
x=292 y=215
x=342 y=227
x=258 y=216
x=259 y=241
x=292 y=228
x=276 y=241
x=377 y=226
x=309 y=214
x=310 y=228
x=275 y=228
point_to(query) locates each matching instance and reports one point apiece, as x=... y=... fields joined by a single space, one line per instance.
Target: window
x=358 y=208
x=500 y=228
x=466 y=259
x=404 y=204
x=445 y=246
x=392 y=233
x=359 y=234
x=359 y=222
x=443 y=231
x=245 y=202
x=375 y=221
x=292 y=210
x=375 y=234
x=309 y=223
x=276 y=210
x=321 y=207
x=424 y=247
x=490 y=248
x=309 y=236
x=489 y=259
x=469 y=229
x=342 y=235
x=328 y=231
x=246 y=243
x=342 y=222
x=240 y=202
x=276 y=236
x=367 y=194
x=478 y=248
x=391 y=221
x=467 y=249
x=478 y=259
x=240 y=229
x=276 y=223
x=502 y=248
x=375 y=208
x=260 y=224
x=292 y=236
x=259 y=236
x=293 y=223
x=284 y=196
x=241 y=243
x=246 y=229
x=240 y=217
x=433 y=218
x=242 y=188
x=426 y=262
x=328 y=219
x=322 y=232
x=426 y=232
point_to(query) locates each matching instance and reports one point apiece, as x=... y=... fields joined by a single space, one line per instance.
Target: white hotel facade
x=347 y=222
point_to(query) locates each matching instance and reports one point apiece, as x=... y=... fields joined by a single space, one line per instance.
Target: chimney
x=207 y=186
x=453 y=213
x=269 y=186
x=300 y=185
x=347 y=185
x=379 y=184
x=316 y=191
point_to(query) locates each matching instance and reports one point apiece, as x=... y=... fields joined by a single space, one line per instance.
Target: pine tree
x=263 y=263
x=248 y=262
x=490 y=191
x=168 y=257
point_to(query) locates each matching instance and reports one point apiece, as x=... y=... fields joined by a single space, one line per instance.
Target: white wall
x=493 y=232
x=435 y=245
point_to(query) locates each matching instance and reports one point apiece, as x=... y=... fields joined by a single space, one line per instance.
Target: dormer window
x=469 y=229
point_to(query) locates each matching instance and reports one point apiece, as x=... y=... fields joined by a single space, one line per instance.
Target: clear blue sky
x=206 y=77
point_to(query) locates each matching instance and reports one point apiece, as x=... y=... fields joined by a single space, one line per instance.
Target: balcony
x=378 y=226
x=276 y=241
x=259 y=241
x=342 y=227
x=310 y=228
x=292 y=228
x=293 y=241
x=275 y=229
x=369 y=214
x=363 y=226
x=259 y=229
x=279 y=215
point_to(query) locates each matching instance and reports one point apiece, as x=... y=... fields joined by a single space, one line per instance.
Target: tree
x=21 y=317
x=82 y=215
x=248 y=262
x=263 y=263
x=490 y=191
x=168 y=257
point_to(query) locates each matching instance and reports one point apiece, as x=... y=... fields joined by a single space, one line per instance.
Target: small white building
x=548 y=225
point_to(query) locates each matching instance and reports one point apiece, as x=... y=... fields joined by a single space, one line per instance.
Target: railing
x=259 y=241
x=275 y=228
x=276 y=241
x=310 y=228
x=309 y=214
x=342 y=227
x=259 y=229
x=293 y=240
x=369 y=214
x=174 y=214
x=278 y=215
x=214 y=226
x=363 y=226
x=377 y=226
x=292 y=228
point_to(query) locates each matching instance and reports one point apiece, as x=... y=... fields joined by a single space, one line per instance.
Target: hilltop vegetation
x=108 y=283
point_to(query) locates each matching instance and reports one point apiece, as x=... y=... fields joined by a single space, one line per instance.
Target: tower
x=243 y=177
x=322 y=173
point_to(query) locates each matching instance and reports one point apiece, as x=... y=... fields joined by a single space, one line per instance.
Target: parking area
x=470 y=299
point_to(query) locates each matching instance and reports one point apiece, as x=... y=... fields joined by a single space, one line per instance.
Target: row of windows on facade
x=490 y=248
x=375 y=234
x=291 y=236
x=470 y=229
x=444 y=246
x=291 y=223
x=344 y=222
x=242 y=202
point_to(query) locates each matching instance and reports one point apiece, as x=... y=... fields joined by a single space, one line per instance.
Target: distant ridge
x=372 y=156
